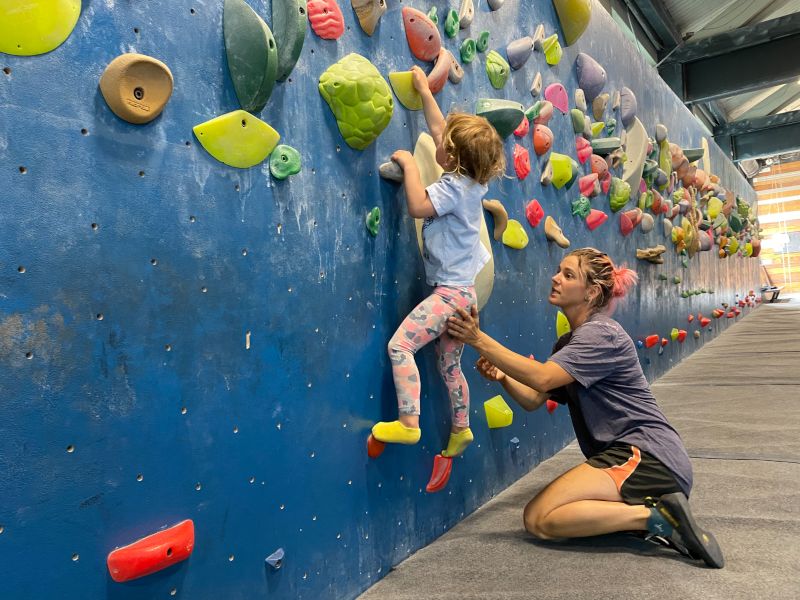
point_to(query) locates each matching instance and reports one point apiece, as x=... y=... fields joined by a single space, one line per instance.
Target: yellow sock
x=458 y=442
x=395 y=432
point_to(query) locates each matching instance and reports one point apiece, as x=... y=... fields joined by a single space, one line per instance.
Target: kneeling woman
x=637 y=475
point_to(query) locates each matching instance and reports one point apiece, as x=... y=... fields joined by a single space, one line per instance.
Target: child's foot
x=395 y=432
x=700 y=544
x=458 y=442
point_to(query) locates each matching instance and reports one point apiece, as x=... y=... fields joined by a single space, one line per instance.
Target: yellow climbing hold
x=574 y=16
x=714 y=206
x=562 y=325
x=748 y=249
x=514 y=236
x=30 y=27
x=498 y=414
x=403 y=87
x=237 y=139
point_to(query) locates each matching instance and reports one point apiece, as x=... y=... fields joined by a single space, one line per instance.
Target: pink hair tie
x=624 y=279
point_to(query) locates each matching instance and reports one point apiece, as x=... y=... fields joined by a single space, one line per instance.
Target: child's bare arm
x=433 y=115
x=417 y=199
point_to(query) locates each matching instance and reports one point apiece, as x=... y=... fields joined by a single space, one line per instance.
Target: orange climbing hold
x=152 y=553
x=374 y=447
x=650 y=341
x=442 y=465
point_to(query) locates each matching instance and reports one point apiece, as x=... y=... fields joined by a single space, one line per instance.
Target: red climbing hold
x=717 y=313
x=326 y=19
x=522 y=128
x=730 y=314
x=690 y=318
x=650 y=341
x=704 y=321
x=422 y=35
x=374 y=447
x=664 y=341
x=442 y=465
x=522 y=162
x=534 y=212
x=551 y=405
x=152 y=553
x=681 y=335
x=595 y=219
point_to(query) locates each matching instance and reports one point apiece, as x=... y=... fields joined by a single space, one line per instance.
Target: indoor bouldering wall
x=185 y=339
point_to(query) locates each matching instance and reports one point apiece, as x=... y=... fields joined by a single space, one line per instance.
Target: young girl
x=637 y=476
x=471 y=152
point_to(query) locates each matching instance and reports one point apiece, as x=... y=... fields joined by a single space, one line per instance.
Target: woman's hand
x=488 y=371
x=466 y=327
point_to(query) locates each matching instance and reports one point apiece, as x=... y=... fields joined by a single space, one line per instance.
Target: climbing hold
x=704 y=321
x=515 y=236
x=629 y=219
x=542 y=139
x=368 y=13
x=599 y=166
x=252 y=55
x=433 y=16
x=595 y=219
x=551 y=405
x=583 y=148
x=620 y=194
x=289 y=24
x=504 y=115
x=326 y=19
x=676 y=280
x=522 y=162
x=693 y=154
x=534 y=212
x=152 y=553
x=403 y=87
x=591 y=76
x=136 y=87
x=500 y=215
x=647 y=223
x=696 y=334
x=681 y=335
x=580 y=100
x=465 y=14
x=635 y=154
x=540 y=112
x=581 y=207
x=451 y=23
x=661 y=132
x=373 y=221
x=374 y=447
x=422 y=35
x=561 y=170
x=599 y=105
x=611 y=126
x=589 y=185
x=468 y=51
x=690 y=318
x=482 y=43
x=440 y=475
x=553 y=232
x=562 y=325
x=523 y=128
x=359 y=98
x=674 y=334
x=574 y=16
x=536 y=85
x=284 y=161
x=498 y=414
x=275 y=560
x=578 y=121
x=664 y=341
x=440 y=72
x=651 y=255
x=605 y=146
x=552 y=50
x=237 y=139
x=556 y=94
x=456 y=73
x=628 y=106
x=391 y=170
x=667 y=228
x=495 y=4
x=497 y=69
x=30 y=28
x=597 y=128
x=519 y=51
x=651 y=340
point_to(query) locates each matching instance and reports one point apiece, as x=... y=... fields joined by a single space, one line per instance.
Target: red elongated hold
x=690 y=318
x=650 y=341
x=737 y=312
x=595 y=219
x=438 y=75
x=551 y=405
x=326 y=19
x=625 y=224
x=664 y=342
x=442 y=465
x=681 y=335
x=523 y=128
x=374 y=447
x=704 y=321
x=605 y=182
x=522 y=162
x=534 y=212
x=422 y=35
x=730 y=314
x=152 y=553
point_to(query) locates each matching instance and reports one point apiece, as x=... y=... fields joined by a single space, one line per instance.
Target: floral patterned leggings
x=426 y=323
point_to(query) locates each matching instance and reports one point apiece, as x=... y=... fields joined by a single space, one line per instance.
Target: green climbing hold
x=289 y=24
x=735 y=222
x=578 y=122
x=237 y=138
x=581 y=207
x=662 y=277
x=451 y=23
x=483 y=41
x=646 y=200
x=468 y=50
x=497 y=69
x=359 y=98
x=597 y=128
x=684 y=294
x=433 y=16
x=30 y=28
x=552 y=50
x=373 y=221
x=676 y=280
x=605 y=146
x=504 y=115
x=611 y=126
x=620 y=193
x=284 y=161
x=252 y=55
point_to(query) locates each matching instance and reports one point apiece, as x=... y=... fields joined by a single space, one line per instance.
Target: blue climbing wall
x=134 y=267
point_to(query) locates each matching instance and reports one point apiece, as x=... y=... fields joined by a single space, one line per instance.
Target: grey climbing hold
x=591 y=76
x=519 y=51
x=628 y=106
x=536 y=85
x=275 y=560
x=495 y=4
x=391 y=170
x=465 y=14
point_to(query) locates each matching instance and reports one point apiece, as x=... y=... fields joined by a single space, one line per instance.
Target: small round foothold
x=284 y=161
x=373 y=221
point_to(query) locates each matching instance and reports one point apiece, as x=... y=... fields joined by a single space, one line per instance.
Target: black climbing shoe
x=687 y=535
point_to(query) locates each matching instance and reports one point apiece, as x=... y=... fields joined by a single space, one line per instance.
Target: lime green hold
x=468 y=50
x=359 y=97
x=498 y=413
x=597 y=128
x=552 y=50
x=433 y=16
x=561 y=170
x=451 y=23
x=32 y=28
x=497 y=69
x=620 y=193
x=581 y=207
x=662 y=277
x=373 y=221
x=483 y=41
x=646 y=200
x=284 y=161
x=676 y=280
x=578 y=122
x=562 y=324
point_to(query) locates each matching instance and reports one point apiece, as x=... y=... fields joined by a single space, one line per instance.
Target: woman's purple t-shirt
x=610 y=400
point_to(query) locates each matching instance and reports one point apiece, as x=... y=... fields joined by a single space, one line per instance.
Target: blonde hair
x=475 y=147
x=599 y=270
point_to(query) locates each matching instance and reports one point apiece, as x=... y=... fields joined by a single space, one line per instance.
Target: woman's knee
x=535 y=521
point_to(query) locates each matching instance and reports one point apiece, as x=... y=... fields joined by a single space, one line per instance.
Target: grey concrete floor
x=736 y=403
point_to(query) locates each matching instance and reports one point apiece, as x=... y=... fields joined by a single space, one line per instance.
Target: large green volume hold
x=252 y=55
x=289 y=22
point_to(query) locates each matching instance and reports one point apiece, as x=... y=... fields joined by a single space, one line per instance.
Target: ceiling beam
x=757 y=138
x=660 y=22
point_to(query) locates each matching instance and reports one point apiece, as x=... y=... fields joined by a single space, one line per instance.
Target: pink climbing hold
x=605 y=182
x=589 y=185
x=599 y=165
x=438 y=75
x=551 y=405
x=534 y=212
x=326 y=18
x=422 y=35
x=625 y=224
x=523 y=128
x=557 y=95
x=595 y=219
x=522 y=162
x=584 y=149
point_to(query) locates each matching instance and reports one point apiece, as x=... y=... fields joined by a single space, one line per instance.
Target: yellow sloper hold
x=498 y=414
x=30 y=27
x=237 y=139
x=562 y=325
x=514 y=236
x=403 y=87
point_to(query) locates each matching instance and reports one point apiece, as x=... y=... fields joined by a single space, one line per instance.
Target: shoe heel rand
x=670 y=519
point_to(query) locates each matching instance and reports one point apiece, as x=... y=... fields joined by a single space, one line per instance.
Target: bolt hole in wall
x=7 y=70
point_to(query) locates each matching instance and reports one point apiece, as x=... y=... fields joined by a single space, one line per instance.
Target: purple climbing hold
x=519 y=51
x=628 y=106
x=591 y=76
x=557 y=96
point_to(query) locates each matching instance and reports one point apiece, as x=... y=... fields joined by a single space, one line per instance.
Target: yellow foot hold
x=395 y=432
x=458 y=442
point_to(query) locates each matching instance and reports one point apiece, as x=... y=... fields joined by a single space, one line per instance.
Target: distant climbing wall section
x=204 y=251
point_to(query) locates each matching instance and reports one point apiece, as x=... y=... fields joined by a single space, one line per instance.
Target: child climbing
x=471 y=153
